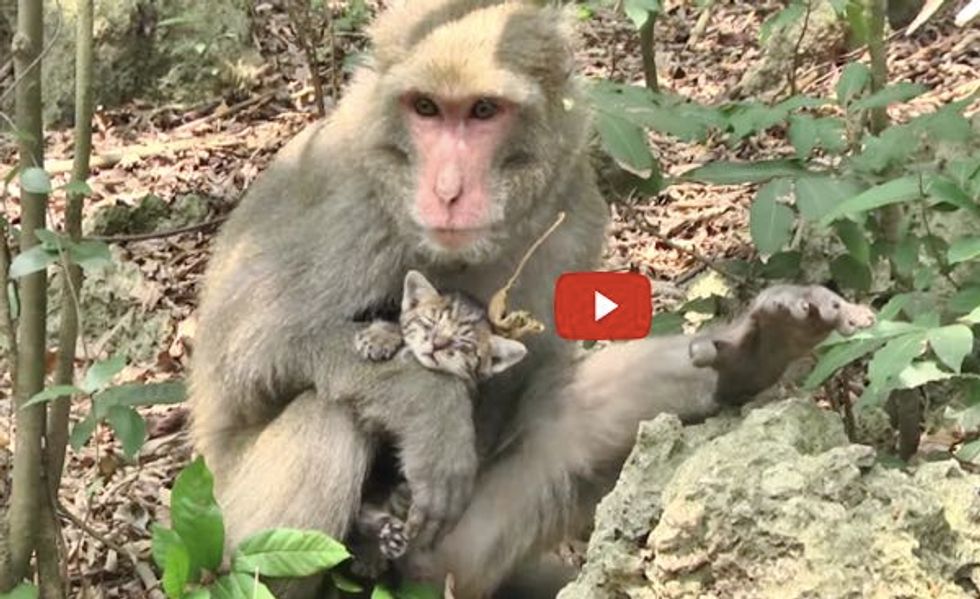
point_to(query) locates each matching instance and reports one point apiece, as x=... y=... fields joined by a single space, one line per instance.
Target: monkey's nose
x=449 y=183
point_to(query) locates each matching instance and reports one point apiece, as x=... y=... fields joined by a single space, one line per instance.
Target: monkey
x=452 y=150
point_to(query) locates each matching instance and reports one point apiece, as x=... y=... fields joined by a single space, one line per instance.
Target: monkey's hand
x=379 y=341
x=782 y=324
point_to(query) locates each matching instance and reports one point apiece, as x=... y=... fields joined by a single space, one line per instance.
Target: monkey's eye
x=425 y=107
x=484 y=109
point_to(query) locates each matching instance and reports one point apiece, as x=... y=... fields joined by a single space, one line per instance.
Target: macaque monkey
x=452 y=151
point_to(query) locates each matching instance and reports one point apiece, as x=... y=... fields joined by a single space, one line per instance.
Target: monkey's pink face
x=456 y=141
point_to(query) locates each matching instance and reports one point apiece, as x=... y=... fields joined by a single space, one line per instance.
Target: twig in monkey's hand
x=518 y=323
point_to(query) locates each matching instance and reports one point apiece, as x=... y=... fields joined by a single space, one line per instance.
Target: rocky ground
x=185 y=166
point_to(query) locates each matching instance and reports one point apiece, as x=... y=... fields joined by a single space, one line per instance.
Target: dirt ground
x=216 y=150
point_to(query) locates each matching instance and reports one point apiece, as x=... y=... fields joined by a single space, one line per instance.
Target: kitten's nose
x=441 y=342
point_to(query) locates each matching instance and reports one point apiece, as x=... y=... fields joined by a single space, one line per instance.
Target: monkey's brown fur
x=286 y=414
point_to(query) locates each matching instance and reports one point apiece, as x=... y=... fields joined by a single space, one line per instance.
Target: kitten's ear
x=416 y=289
x=504 y=353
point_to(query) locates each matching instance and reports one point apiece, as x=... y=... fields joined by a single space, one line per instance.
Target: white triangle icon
x=603 y=306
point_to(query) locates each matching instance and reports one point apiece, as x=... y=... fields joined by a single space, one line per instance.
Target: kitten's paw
x=392 y=538
x=379 y=341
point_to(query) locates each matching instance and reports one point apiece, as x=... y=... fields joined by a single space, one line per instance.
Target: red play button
x=602 y=305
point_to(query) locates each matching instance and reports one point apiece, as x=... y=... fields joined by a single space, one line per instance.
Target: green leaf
x=417 y=590
x=838 y=357
x=752 y=117
x=853 y=79
x=198 y=594
x=816 y=195
x=101 y=373
x=963 y=249
x=240 y=586
x=345 y=584
x=921 y=373
x=973 y=317
x=197 y=518
x=850 y=273
x=130 y=428
x=782 y=265
x=35 y=180
x=381 y=592
x=285 y=552
x=24 y=590
x=163 y=539
x=944 y=191
x=89 y=254
x=852 y=236
x=52 y=393
x=802 y=134
x=893 y=358
x=82 y=431
x=895 y=191
x=733 y=173
x=897 y=92
x=30 y=261
x=666 y=323
x=78 y=188
x=905 y=255
x=639 y=11
x=965 y=300
x=969 y=452
x=143 y=394
x=951 y=344
x=771 y=222
x=176 y=570
x=782 y=19
x=626 y=143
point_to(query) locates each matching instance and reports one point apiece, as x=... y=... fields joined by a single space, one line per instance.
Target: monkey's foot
x=379 y=341
x=392 y=538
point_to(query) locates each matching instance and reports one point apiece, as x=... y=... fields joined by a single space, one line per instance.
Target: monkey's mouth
x=457 y=239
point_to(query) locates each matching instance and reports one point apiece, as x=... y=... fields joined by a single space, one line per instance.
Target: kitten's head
x=451 y=333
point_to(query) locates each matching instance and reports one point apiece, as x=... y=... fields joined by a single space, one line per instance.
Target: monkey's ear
x=504 y=353
x=416 y=289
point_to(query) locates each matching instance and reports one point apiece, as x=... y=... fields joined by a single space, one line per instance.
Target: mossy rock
x=157 y=50
x=150 y=214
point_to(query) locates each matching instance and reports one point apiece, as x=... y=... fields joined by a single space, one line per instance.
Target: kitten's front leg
x=379 y=341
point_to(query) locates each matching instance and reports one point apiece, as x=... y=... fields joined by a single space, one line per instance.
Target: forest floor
x=216 y=150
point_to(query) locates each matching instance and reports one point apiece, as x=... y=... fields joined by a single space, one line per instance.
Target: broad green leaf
x=626 y=143
x=198 y=594
x=733 y=173
x=951 y=344
x=892 y=148
x=142 y=394
x=752 y=117
x=963 y=249
x=52 y=393
x=381 y=592
x=197 y=518
x=417 y=590
x=942 y=190
x=285 y=552
x=90 y=254
x=852 y=236
x=163 y=539
x=853 y=79
x=802 y=134
x=666 y=323
x=345 y=584
x=35 y=180
x=905 y=255
x=973 y=317
x=24 y=590
x=639 y=11
x=176 y=570
x=82 y=431
x=78 y=188
x=771 y=222
x=101 y=373
x=894 y=305
x=897 y=92
x=857 y=20
x=895 y=191
x=130 y=428
x=30 y=261
x=838 y=357
x=49 y=239
x=240 y=586
x=782 y=265
x=850 y=273
x=969 y=452
x=893 y=358
x=965 y=300
x=816 y=195
x=831 y=134
x=921 y=373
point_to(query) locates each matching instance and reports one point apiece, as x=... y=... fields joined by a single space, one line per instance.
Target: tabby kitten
x=447 y=332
